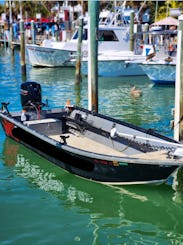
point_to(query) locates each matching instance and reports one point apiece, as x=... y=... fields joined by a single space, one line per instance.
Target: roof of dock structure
x=168 y=21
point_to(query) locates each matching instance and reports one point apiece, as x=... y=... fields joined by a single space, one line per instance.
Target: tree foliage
x=30 y=8
x=164 y=8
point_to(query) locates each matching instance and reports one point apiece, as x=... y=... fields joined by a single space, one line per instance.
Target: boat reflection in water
x=177 y=185
x=135 y=213
x=46 y=180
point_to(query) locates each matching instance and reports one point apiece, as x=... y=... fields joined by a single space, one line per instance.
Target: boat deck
x=86 y=144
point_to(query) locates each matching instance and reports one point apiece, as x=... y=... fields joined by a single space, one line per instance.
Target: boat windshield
x=103 y=35
x=107 y=35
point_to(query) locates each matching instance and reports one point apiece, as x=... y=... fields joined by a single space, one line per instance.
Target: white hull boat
x=48 y=57
x=54 y=54
x=116 y=64
x=160 y=71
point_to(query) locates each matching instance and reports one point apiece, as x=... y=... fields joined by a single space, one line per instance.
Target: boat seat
x=39 y=121
x=46 y=126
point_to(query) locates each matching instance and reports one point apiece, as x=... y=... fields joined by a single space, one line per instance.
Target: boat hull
x=48 y=57
x=87 y=165
x=114 y=68
x=160 y=73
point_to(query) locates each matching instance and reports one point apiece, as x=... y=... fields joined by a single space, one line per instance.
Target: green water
x=42 y=204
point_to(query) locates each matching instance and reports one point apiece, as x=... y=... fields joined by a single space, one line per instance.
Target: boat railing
x=162 y=40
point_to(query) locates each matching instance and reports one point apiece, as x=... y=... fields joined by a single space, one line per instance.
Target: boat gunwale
x=47 y=49
x=154 y=63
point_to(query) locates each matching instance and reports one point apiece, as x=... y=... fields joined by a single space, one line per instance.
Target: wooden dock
x=39 y=40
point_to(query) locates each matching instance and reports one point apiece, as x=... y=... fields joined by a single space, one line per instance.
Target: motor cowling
x=30 y=93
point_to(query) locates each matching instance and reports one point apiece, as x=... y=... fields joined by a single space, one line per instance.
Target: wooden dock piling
x=178 y=114
x=32 y=32
x=79 y=49
x=93 y=7
x=132 y=31
x=22 y=48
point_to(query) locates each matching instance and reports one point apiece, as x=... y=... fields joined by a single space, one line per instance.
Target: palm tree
x=164 y=9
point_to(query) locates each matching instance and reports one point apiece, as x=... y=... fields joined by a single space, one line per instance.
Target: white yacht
x=113 y=34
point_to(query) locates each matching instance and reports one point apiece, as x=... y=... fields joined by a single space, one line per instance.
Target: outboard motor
x=31 y=95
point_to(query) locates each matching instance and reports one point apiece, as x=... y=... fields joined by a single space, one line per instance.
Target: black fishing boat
x=91 y=145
